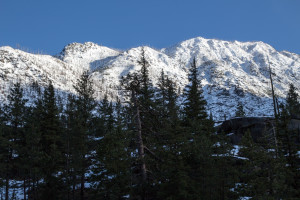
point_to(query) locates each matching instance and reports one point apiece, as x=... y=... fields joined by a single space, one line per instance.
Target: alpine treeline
x=145 y=147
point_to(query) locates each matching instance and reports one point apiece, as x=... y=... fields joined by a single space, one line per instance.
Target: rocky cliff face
x=230 y=71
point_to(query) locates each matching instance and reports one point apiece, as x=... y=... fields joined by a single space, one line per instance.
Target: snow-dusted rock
x=230 y=71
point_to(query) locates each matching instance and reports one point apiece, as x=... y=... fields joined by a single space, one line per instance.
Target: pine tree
x=288 y=140
x=15 y=115
x=262 y=171
x=199 y=130
x=106 y=118
x=240 y=110
x=249 y=151
x=225 y=174
x=143 y=119
x=51 y=144
x=112 y=179
x=174 y=171
x=292 y=101
x=4 y=144
x=70 y=138
x=161 y=96
x=288 y=147
x=84 y=104
x=33 y=148
x=195 y=104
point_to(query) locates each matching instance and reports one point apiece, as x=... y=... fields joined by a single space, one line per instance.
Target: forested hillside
x=152 y=144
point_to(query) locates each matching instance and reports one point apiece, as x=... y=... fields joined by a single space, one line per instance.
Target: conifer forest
x=146 y=146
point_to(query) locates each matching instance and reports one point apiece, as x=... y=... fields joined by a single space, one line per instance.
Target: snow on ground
x=15 y=190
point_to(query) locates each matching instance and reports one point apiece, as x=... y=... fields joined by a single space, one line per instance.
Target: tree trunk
x=74 y=186
x=273 y=93
x=68 y=169
x=82 y=186
x=141 y=152
x=33 y=188
x=275 y=137
x=24 y=188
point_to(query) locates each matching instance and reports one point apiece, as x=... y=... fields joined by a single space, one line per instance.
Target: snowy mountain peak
x=76 y=48
x=85 y=55
x=3 y=48
x=231 y=71
x=206 y=49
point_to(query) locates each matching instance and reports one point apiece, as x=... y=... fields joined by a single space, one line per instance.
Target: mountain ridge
x=230 y=71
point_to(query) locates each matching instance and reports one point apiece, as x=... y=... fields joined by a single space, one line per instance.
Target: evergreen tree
x=33 y=148
x=51 y=144
x=83 y=134
x=289 y=147
x=292 y=101
x=143 y=119
x=288 y=140
x=225 y=174
x=70 y=138
x=174 y=171
x=106 y=118
x=14 y=137
x=240 y=110
x=3 y=150
x=198 y=130
x=195 y=104
x=161 y=96
x=113 y=158
x=262 y=171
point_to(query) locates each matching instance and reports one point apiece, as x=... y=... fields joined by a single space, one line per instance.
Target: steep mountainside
x=230 y=71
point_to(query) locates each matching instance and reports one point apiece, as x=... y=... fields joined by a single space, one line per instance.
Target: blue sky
x=48 y=26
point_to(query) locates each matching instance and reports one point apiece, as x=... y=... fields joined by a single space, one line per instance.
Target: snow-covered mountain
x=230 y=71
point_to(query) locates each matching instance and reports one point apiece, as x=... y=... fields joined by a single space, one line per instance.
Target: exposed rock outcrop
x=258 y=126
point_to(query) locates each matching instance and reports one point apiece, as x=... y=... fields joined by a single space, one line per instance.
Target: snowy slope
x=16 y=65
x=87 y=55
x=230 y=71
x=238 y=71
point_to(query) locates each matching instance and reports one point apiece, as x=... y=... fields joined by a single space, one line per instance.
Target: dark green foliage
x=262 y=171
x=51 y=144
x=15 y=116
x=270 y=168
x=225 y=174
x=288 y=142
x=240 y=110
x=173 y=143
x=14 y=137
x=79 y=137
x=70 y=139
x=50 y=128
x=195 y=103
x=83 y=133
x=33 y=147
x=289 y=147
x=292 y=101
x=113 y=158
x=143 y=120
x=199 y=142
x=3 y=150
x=106 y=118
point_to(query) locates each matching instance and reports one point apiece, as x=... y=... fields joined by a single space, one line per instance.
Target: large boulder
x=258 y=127
x=237 y=127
